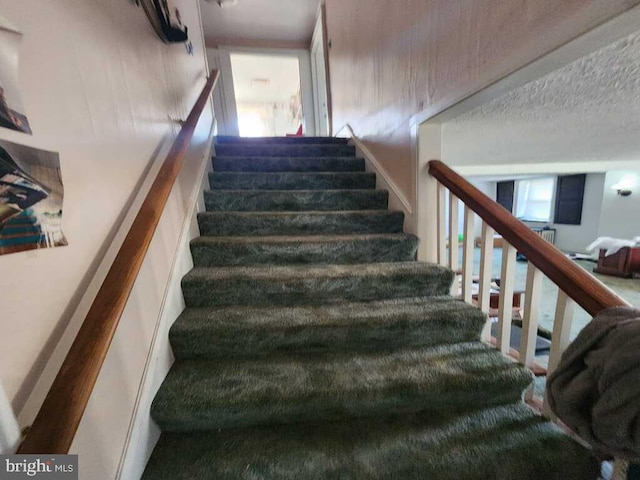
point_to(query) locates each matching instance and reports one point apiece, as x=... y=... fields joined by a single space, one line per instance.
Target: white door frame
x=321 y=90
x=306 y=82
x=224 y=98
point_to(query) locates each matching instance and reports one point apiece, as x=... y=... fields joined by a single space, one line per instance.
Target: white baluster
x=442 y=234
x=530 y=320
x=563 y=320
x=453 y=232
x=467 y=255
x=486 y=266
x=505 y=310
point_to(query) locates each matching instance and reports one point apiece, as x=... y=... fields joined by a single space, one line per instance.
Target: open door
x=319 y=73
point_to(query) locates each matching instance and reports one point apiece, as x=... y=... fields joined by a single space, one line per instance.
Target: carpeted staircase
x=314 y=346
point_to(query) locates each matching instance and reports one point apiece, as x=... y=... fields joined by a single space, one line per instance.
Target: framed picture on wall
x=31 y=195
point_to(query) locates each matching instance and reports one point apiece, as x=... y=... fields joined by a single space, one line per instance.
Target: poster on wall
x=12 y=114
x=31 y=196
x=166 y=20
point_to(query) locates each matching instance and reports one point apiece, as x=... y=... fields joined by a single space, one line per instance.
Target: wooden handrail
x=57 y=421
x=586 y=290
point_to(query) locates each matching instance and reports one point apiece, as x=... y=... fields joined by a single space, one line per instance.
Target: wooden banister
x=583 y=288
x=57 y=421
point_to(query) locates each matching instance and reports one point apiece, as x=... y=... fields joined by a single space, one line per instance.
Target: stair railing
x=57 y=421
x=576 y=286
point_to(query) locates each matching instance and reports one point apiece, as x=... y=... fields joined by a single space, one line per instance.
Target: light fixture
x=260 y=82
x=225 y=3
x=625 y=185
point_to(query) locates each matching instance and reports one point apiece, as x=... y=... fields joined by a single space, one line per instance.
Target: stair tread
x=316 y=283
x=218 y=251
x=210 y=394
x=504 y=442
x=295 y=200
x=287 y=164
x=291 y=180
x=281 y=150
x=293 y=174
x=300 y=223
x=304 y=271
x=337 y=213
x=225 y=139
x=347 y=313
x=237 y=158
x=356 y=326
x=292 y=239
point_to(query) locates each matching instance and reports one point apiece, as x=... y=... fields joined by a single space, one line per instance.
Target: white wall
x=100 y=88
x=620 y=216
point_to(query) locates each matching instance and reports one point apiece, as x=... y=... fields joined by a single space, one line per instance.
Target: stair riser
x=280 y=140
x=348 y=336
x=295 y=291
x=277 y=164
x=338 y=253
x=315 y=410
x=334 y=390
x=263 y=150
x=224 y=224
x=286 y=201
x=291 y=181
x=506 y=442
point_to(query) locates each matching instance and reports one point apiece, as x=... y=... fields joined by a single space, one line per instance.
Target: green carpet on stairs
x=315 y=346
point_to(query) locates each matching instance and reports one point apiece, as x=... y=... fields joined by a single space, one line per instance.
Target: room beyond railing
x=576 y=286
x=57 y=421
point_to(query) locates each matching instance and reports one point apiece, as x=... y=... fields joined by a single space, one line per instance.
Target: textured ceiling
x=275 y=23
x=587 y=111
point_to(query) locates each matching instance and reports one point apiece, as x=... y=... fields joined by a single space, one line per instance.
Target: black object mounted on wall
x=166 y=20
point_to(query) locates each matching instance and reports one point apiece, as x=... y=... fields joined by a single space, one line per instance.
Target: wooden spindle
x=467 y=255
x=454 y=245
x=505 y=310
x=530 y=320
x=560 y=338
x=486 y=268
x=442 y=234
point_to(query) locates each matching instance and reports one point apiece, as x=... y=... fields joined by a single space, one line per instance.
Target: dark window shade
x=569 y=199
x=504 y=194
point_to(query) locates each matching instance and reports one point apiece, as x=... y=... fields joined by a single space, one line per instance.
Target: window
x=534 y=199
x=504 y=194
x=569 y=199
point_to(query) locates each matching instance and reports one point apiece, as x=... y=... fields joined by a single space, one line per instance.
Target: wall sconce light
x=226 y=3
x=625 y=185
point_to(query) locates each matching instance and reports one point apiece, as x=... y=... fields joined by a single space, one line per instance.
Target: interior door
x=319 y=75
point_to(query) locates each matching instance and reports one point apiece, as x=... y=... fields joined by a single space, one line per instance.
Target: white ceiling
x=587 y=111
x=270 y=23
x=281 y=73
